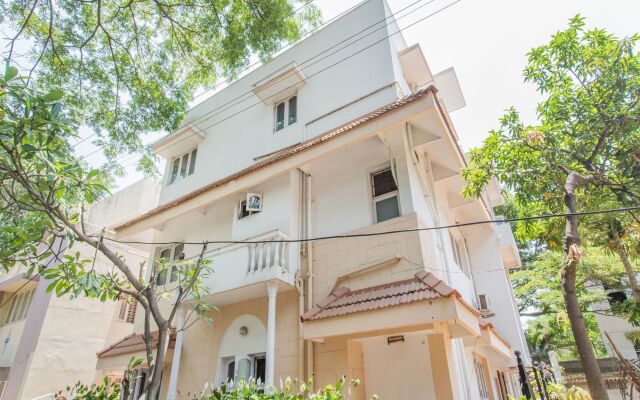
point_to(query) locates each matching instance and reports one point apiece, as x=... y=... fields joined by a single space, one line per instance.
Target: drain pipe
x=310 y=347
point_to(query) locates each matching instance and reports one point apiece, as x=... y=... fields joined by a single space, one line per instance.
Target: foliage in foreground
x=105 y=390
x=287 y=391
x=244 y=391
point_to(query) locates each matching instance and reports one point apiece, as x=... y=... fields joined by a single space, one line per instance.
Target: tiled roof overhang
x=343 y=301
x=131 y=344
x=417 y=302
x=288 y=152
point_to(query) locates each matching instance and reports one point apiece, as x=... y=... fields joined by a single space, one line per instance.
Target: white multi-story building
x=345 y=133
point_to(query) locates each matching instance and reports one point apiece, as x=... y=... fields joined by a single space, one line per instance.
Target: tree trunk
x=572 y=257
x=624 y=257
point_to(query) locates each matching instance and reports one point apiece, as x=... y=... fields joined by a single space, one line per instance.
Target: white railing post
x=252 y=257
x=267 y=258
x=260 y=256
x=276 y=255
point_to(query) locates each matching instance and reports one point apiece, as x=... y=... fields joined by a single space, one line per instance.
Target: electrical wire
x=390 y=232
x=323 y=69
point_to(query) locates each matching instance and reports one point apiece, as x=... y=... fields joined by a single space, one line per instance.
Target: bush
x=104 y=391
x=254 y=391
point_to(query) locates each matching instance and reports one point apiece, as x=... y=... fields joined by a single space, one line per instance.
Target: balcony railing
x=238 y=265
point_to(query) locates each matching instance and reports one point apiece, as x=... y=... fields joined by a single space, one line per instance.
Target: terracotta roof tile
x=130 y=344
x=424 y=286
x=287 y=152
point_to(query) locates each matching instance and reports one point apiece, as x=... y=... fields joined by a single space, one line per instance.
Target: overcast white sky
x=486 y=41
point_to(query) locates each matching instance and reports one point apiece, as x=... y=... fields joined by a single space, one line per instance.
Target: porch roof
x=132 y=343
x=343 y=301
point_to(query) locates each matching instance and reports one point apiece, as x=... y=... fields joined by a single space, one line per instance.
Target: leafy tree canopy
x=130 y=67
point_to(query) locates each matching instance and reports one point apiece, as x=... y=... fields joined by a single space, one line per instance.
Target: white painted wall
x=617 y=328
x=400 y=370
x=234 y=141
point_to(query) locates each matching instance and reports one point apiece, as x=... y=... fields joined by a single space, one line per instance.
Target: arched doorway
x=242 y=353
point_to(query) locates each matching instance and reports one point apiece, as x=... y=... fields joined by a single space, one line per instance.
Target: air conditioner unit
x=484 y=305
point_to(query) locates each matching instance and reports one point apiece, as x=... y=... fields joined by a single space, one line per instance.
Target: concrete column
x=443 y=367
x=177 y=351
x=272 y=291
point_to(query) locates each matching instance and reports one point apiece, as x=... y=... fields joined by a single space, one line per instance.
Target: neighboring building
x=307 y=149
x=617 y=328
x=49 y=342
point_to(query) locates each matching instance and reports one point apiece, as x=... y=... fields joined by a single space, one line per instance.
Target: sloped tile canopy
x=131 y=344
x=423 y=299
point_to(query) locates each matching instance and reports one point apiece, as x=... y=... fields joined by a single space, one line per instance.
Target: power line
x=369 y=234
x=327 y=67
x=303 y=65
x=247 y=67
x=334 y=64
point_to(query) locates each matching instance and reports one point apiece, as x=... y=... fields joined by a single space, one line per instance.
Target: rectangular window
x=286 y=113
x=242 y=210
x=385 y=195
x=174 y=171
x=244 y=368
x=19 y=308
x=175 y=255
x=293 y=109
x=183 y=166
x=127 y=311
x=192 y=161
x=481 y=377
x=280 y=116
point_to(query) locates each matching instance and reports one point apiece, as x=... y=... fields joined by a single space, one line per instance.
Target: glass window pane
x=162 y=277
x=174 y=171
x=183 y=166
x=11 y=308
x=192 y=162
x=383 y=182
x=244 y=369
x=279 y=116
x=231 y=370
x=387 y=209
x=293 y=109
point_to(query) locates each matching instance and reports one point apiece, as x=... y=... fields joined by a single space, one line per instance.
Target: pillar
x=177 y=351
x=272 y=291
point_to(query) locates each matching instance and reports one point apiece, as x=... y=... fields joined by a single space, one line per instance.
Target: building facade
x=345 y=138
x=49 y=342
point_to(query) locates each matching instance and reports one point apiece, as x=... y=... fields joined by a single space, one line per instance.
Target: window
x=183 y=166
x=286 y=113
x=384 y=190
x=244 y=368
x=242 y=210
x=459 y=254
x=174 y=254
x=481 y=378
x=19 y=307
x=128 y=308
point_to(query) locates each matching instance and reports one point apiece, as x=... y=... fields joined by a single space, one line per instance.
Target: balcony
x=240 y=270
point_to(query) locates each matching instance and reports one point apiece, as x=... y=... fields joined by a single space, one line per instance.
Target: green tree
x=584 y=146
x=131 y=67
x=44 y=190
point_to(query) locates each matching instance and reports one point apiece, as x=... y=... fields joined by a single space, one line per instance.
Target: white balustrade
x=272 y=253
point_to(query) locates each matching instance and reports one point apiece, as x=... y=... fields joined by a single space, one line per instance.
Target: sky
x=486 y=42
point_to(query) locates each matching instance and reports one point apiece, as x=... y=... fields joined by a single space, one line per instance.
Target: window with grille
x=384 y=190
x=242 y=210
x=183 y=166
x=286 y=113
x=128 y=306
x=481 y=378
x=172 y=257
x=20 y=304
